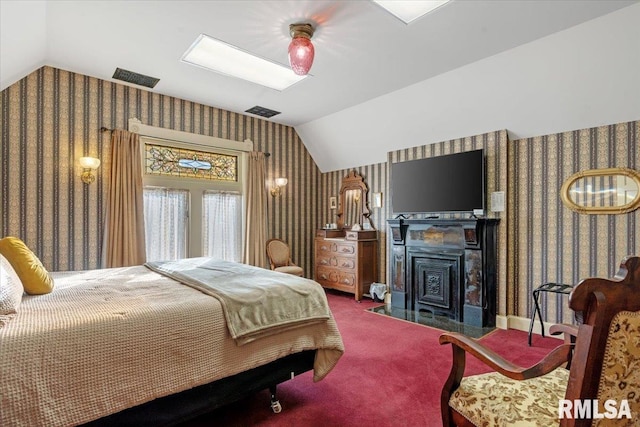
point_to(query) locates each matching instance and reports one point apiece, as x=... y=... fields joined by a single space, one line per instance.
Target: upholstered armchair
x=605 y=366
x=280 y=258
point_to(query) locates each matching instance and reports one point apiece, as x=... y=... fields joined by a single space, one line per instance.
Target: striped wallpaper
x=548 y=242
x=52 y=117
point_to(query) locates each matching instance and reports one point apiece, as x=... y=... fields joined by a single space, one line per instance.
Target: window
x=181 y=162
x=222 y=225
x=193 y=199
x=166 y=213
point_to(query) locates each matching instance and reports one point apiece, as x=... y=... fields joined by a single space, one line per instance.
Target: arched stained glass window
x=180 y=162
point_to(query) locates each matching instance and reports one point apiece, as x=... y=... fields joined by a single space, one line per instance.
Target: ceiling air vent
x=135 y=78
x=261 y=111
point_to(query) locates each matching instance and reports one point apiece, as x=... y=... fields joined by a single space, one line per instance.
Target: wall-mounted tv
x=449 y=183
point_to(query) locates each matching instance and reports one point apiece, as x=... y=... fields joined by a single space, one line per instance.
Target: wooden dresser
x=346 y=260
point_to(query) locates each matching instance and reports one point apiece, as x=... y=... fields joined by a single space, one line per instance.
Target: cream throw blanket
x=256 y=302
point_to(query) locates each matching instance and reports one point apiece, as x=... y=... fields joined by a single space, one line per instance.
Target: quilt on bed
x=106 y=340
x=256 y=302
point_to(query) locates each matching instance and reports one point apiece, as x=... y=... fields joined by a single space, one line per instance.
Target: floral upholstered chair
x=601 y=387
x=280 y=258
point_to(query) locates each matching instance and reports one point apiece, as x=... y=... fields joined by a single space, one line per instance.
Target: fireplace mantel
x=446 y=266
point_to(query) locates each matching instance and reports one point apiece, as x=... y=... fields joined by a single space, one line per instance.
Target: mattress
x=106 y=340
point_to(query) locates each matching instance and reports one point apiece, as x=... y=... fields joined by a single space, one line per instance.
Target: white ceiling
x=532 y=67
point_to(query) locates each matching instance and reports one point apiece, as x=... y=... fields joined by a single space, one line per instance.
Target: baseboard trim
x=522 y=324
x=502 y=322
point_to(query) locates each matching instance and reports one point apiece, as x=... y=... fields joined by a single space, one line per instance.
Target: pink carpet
x=390 y=375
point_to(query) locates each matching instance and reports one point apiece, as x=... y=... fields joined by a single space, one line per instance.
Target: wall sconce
x=376 y=200
x=279 y=183
x=88 y=165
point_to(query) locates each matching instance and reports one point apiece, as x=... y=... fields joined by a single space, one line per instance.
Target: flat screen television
x=449 y=183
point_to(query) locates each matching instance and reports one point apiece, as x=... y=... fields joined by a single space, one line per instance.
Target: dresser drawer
x=328 y=276
x=325 y=247
x=345 y=263
x=326 y=260
x=334 y=278
x=329 y=233
x=345 y=249
x=346 y=279
x=361 y=235
x=335 y=248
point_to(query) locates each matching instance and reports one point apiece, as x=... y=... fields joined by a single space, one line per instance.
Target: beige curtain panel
x=256 y=214
x=124 y=225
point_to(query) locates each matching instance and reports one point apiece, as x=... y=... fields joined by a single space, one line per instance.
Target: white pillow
x=11 y=289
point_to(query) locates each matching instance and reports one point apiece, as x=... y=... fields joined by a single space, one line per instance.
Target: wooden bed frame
x=181 y=407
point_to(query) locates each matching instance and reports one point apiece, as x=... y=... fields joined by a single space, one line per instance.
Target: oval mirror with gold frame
x=602 y=191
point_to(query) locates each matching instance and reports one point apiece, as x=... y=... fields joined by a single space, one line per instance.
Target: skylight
x=410 y=10
x=221 y=57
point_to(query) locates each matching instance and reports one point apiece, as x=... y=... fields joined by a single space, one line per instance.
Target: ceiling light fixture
x=220 y=57
x=410 y=10
x=301 y=51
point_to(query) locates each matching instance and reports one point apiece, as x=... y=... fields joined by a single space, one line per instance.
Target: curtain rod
x=105 y=129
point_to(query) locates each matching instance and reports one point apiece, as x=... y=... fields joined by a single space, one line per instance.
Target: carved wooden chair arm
x=564 y=328
x=557 y=357
x=570 y=332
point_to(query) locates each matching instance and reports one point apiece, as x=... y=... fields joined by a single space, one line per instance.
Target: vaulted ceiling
x=377 y=84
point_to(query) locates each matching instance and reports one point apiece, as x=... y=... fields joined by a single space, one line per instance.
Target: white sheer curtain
x=222 y=225
x=166 y=217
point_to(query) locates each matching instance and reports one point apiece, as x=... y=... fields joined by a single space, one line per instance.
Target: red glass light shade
x=301 y=50
x=301 y=54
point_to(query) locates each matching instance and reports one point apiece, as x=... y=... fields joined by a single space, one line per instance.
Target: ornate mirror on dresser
x=354 y=205
x=346 y=258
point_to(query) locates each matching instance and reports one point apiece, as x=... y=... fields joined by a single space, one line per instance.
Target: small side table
x=556 y=288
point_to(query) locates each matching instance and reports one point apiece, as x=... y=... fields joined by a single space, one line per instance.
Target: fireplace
x=445 y=267
x=435 y=282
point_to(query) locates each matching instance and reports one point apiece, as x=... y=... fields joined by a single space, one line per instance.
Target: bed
x=133 y=345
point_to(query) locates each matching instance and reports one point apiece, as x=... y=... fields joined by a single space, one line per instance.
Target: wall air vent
x=135 y=78
x=261 y=111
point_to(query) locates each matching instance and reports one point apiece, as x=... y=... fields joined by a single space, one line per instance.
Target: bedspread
x=256 y=302
x=110 y=339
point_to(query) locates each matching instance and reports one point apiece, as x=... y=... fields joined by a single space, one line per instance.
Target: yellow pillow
x=34 y=277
